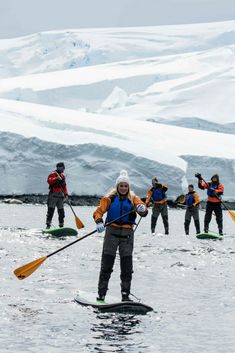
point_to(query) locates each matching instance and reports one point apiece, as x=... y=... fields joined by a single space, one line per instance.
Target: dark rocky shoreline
x=75 y=200
x=84 y=200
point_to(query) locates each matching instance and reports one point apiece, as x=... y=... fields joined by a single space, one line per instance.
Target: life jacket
x=55 y=185
x=158 y=194
x=210 y=192
x=190 y=198
x=118 y=208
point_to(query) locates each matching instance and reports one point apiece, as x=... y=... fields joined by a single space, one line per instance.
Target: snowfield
x=153 y=100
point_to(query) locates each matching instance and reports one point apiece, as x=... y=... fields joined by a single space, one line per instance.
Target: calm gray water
x=189 y=283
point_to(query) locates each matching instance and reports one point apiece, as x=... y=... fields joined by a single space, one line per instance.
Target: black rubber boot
x=107 y=262
x=50 y=213
x=61 y=217
x=186 y=227
x=125 y=297
x=100 y=298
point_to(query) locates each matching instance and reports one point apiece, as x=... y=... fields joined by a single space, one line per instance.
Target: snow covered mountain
x=153 y=100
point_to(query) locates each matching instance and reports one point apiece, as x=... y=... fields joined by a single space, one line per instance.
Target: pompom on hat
x=123 y=178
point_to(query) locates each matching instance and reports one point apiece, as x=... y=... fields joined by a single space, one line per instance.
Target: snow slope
x=93 y=98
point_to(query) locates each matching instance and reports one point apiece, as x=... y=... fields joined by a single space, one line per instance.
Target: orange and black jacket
x=104 y=206
x=157 y=194
x=55 y=185
x=213 y=190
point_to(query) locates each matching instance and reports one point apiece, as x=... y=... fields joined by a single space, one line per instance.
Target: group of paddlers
x=122 y=206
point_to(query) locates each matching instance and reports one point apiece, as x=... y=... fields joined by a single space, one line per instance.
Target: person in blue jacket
x=119 y=235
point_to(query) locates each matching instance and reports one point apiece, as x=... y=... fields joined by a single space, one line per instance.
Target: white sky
x=20 y=17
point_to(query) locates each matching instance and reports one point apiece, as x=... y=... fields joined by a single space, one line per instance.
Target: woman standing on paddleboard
x=118 y=235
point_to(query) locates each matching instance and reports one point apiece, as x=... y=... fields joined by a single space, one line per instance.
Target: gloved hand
x=100 y=227
x=198 y=175
x=59 y=178
x=141 y=208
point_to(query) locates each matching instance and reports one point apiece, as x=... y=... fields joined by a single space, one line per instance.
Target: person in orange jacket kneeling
x=118 y=235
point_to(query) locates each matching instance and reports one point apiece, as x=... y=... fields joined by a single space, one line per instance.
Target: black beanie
x=215 y=176
x=60 y=165
x=191 y=186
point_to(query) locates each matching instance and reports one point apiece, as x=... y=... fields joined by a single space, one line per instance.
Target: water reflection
x=113 y=332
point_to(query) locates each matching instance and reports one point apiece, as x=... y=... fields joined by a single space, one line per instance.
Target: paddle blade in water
x=79 y=223
x=26 y=270
x=232 y=215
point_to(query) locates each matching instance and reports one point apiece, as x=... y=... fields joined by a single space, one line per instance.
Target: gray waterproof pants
x=163 y=211
x=55 y=199
x=120 y=239
x=192 y=212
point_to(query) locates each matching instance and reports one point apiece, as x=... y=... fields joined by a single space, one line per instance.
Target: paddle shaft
x=69 y=203
x=75 y=241
x=138 y=223
x=87 y=235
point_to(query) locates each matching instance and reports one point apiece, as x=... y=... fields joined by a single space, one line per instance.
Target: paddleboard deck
x=118 y=307
x=60 y=232
x=209 y=235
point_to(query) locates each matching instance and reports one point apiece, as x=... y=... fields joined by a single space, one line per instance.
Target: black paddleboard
x=209 y=235
x=61 y=232
x=127 y=307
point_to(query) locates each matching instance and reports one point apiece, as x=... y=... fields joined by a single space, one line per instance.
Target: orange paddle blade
x=182 y=199
x=232 y=215
x=26 y=270
x=79 y=223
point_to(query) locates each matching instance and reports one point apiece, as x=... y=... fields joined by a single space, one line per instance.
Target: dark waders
x=123 y=240
x=55 y=199
x=192 y=212
x=160 y=209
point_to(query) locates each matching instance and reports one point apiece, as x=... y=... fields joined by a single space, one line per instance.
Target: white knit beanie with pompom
x=123 y=178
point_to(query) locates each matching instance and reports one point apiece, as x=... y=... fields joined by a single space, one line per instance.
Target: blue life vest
x=118 y=208
x=210 y=192
x=158 y=194
x=190 y=199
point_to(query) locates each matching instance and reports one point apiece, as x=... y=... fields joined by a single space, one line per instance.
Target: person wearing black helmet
x=215 y=191
x=58 y=191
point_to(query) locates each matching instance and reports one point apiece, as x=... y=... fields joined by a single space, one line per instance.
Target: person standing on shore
x=192 y=202
x=118 y=235
x=58 y=192
x=158 y=195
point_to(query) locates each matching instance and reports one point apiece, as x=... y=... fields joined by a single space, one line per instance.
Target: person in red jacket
x=58 y=191
x=214 y=192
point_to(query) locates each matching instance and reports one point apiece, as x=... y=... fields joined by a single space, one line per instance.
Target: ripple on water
x=189 y=283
